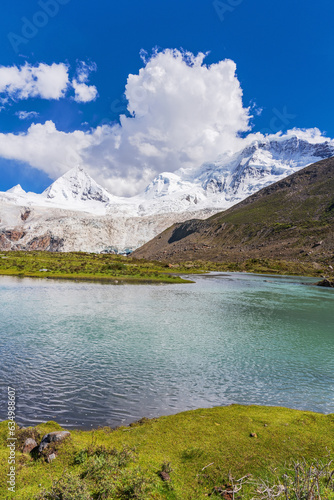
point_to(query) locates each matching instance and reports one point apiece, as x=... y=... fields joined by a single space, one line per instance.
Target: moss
x=197 y=449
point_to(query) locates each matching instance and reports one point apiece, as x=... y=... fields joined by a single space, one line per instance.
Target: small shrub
x=302 y=482
x=68 y=487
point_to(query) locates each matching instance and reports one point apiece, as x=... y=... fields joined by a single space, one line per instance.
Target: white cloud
x=44 y=81
x=26 y=115
x=83 y=92
x=84 y=69
x=183 y=113
x=312 y=135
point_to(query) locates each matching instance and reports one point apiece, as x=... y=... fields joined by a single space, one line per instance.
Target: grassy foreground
x=203 y=452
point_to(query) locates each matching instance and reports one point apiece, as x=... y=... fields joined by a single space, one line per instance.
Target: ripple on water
x=89 y=354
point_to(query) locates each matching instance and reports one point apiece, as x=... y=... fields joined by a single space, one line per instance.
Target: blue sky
x=283 y=53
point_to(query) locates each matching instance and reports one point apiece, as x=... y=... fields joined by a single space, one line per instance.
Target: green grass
x=83 y=266
x=199 y=449
x=119 y=269
x=257 y=266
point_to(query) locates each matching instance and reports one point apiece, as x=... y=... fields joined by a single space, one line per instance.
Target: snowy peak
x=16 y=190
x=213 y=186
x=165 y=184
x=258 y=165
x=76 y=185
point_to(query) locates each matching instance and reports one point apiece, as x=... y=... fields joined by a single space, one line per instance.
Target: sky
x=131 y=89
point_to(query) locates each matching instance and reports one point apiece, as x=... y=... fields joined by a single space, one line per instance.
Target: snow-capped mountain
x=75 y=213
x=259 y=165
x=231 y=178
x=76 y=185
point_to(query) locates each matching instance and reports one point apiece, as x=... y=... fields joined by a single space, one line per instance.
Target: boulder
x=52 y=437
x=164 y=475
x=29 y=445
x=326 y=282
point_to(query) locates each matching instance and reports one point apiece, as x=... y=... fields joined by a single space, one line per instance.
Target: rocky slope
x=291 y=219
x=59 y=230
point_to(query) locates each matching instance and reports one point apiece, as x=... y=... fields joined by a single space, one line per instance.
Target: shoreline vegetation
x=222 y=452
x=118 y=269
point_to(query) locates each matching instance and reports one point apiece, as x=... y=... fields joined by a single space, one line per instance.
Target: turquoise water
x=88 y=354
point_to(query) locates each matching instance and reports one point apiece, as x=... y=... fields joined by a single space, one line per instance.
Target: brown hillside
x=292 y=219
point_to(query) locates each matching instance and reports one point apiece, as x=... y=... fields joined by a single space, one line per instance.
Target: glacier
x=76 y=214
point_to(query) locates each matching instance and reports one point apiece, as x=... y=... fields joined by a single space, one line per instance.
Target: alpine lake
x=92 y=354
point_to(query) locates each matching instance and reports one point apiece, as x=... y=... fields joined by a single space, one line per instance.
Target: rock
x=14 y=235
x=164 y=475
x=52 y=437
x=29 y=445
x=51 y=457
x=25 y=215
x=253 y=435
x=326 y=283
x=47 y=242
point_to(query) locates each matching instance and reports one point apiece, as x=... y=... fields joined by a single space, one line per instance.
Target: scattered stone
x=52 y=437
x=43 y=270
x=326 y=283
x=29 y=445
x=51 y=457
x=265 y=425
x=253 y=435
x=164 y=475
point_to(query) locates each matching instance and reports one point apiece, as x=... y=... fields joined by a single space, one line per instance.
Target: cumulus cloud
x=26 y=115
x=84 y=92
x=182 y=113
x=312 y=135
x=46 y=82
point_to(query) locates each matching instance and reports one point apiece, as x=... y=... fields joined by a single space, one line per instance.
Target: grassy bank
x=258 y=266
x=119 y=269
x=200 y=451
x=83 y=266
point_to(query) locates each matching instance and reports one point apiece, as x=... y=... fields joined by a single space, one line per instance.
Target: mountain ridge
x=97 y=221
x=214 y=185
x=291 y=219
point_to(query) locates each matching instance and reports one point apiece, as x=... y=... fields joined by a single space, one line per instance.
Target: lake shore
x=117 y=269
